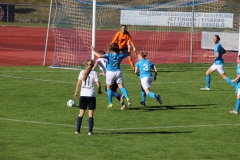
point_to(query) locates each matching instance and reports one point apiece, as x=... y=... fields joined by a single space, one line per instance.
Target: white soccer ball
x=71 y=103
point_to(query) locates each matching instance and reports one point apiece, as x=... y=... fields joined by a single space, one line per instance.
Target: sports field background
x=36 y=124
x=26 y=46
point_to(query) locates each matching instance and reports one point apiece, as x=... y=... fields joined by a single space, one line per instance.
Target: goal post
x=169 y=30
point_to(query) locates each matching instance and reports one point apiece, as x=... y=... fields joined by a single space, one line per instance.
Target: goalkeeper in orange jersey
x=121 y=38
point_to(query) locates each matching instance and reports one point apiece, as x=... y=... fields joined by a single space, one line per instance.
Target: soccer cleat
x=143 y=103
x=77 y=132
x=110 y=106
x=122 y=99
x=129 y=102
x=205 y=89
x=90 y=133
x=159 y=99
x=123 y=107
x=233 y=112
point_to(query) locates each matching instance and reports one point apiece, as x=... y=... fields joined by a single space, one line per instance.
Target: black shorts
x=87 y=102
x=114 y=86
x=124 y=50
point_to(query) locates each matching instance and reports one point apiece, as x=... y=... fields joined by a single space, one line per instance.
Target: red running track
x=25 y=46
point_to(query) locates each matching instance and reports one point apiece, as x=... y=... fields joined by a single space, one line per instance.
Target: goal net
x=171 y=31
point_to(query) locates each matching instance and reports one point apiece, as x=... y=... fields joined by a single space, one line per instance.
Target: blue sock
x=228 y=80
x=237 y=105
x=90 y=124
x=208 y=80
x=109 y=93
x=151 y=94
x=79 y=122
x=115 y=94
x=143 y=95
x=124 y=92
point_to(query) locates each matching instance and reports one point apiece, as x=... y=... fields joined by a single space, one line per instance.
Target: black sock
x=79 y=122
x=90 y=124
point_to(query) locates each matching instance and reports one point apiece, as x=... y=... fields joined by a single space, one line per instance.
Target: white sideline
x=118 y=129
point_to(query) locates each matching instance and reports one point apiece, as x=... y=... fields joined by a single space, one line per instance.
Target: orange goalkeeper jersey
x=122 y=38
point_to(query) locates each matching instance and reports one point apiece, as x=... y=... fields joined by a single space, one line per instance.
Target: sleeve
x=130 y=39
x=219 y=48
x=123 y=55
x=80 y=75
x=152 y=66
x=115 y=38
x=136 y=65
x=106 y=55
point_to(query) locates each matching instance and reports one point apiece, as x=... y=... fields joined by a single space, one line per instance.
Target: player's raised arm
x=132 y=44
x=95 y=65
x=96 y=53
x=129 y=47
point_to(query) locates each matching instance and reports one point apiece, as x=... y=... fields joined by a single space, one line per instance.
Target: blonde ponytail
x=89 y=66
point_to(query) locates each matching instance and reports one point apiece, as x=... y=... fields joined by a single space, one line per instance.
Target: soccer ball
x=71 y=103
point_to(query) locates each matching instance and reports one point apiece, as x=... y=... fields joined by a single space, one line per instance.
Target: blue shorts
x=87 y=102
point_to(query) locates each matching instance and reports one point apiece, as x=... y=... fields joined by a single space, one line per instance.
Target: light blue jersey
x=238 y=72
x=218 y=48
x=145 y=67
x=114 y=60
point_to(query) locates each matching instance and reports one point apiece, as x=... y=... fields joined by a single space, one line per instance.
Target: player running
x=145 y=66
x=218 y=64
x=236 y=110
x=87 y=98
x=102 y=63
x=114 y=72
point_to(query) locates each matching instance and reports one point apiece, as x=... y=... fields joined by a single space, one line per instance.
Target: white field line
x=55 y=81
x=118 y=129
x=35 y=79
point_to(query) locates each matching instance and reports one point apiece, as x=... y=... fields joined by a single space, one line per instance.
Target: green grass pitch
x=36 y=123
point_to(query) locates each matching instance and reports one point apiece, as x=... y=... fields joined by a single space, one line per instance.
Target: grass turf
x=36 y=123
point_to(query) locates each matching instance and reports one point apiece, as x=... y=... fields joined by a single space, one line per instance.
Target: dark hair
x=101 y=52
x=124 y=26
x=114 y=47
x=217 y=36
x=144 y=54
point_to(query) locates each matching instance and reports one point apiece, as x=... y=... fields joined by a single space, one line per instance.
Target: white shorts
x=238 y=91
x=146 y=82
x=219 y=68
x=112 y=76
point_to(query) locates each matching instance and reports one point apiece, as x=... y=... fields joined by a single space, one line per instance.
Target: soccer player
x=114 y=72
x=236 y=110
x=217 y=65
x=121 y=38
x=102 y=63
x=87 y=98
x=145 y=66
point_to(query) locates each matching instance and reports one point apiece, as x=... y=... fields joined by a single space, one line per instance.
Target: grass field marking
x=44 y=80
x=176 y=82
x=118 y=129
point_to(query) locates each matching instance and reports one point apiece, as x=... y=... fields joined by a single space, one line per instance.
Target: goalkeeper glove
x=135 y=50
